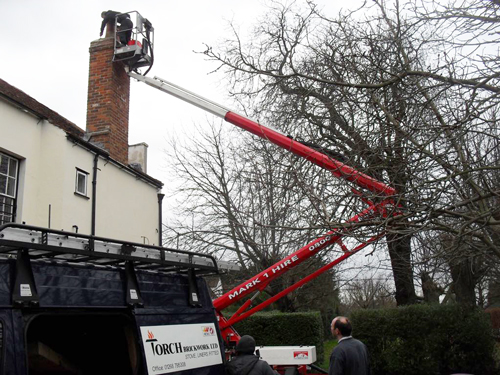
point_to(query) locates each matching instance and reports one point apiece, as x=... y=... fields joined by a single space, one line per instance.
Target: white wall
x=125 y=201
x=127 y=208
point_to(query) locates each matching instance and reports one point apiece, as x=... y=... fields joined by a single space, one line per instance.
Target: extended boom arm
x=338 y=169
x=258 y=283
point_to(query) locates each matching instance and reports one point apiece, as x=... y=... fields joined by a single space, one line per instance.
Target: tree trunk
x=463 y=281
x=400 y=253
x=284 y=304
x=430 y=289
x=493 y=297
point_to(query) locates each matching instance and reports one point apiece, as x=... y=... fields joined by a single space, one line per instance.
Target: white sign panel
x=180 y=347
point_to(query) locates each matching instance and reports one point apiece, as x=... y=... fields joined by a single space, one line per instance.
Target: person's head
x=341 y=327
x=246 y=345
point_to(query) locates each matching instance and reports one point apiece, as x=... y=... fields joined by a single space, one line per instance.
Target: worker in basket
x=246 y=362
x=124 y=27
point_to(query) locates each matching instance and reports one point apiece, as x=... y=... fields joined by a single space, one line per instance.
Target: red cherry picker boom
x=384 y=207
x=255 y=285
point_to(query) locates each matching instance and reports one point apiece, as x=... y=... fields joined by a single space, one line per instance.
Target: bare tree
x=392 y=91
x=367 y=293
x=245 y=200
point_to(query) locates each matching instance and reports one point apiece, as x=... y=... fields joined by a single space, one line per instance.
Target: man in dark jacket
x=125 y=28
x=350 y=356
x=245 y=362
x=125 y=25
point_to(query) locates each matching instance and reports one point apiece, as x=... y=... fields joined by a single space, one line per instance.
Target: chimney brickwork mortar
x=108 y=101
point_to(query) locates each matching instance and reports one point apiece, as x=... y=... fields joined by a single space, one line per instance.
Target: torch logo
x=151 y=337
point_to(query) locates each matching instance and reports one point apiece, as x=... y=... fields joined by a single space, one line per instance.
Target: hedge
x=426 y=339
x=283 y=329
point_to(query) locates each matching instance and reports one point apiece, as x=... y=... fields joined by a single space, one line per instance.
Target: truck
x=77 y=304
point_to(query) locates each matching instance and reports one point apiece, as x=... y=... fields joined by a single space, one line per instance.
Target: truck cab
x=77 y=304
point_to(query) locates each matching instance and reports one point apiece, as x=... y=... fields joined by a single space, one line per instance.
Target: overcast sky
x=45 y=47
x=45 y=53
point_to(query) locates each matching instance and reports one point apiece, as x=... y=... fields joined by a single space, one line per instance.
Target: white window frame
x=9 y=176
x=79 y=174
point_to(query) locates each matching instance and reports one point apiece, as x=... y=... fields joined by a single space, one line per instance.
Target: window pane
x=81 y=183
x=6 y=209
x=10 y=207
x=11 y=187
x=3 y=184
x=4 y=163
x=6 y=205
x=13 y=168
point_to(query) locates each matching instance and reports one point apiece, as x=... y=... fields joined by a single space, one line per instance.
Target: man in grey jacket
x=246 y=362
x=350 y=356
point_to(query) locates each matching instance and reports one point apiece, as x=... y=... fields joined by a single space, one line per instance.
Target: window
x=81 y=182
x=8 y=188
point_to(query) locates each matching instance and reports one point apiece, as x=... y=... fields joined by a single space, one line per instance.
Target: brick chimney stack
x=108 y=100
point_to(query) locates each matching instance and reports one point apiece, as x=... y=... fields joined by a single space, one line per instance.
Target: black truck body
x=79 y=309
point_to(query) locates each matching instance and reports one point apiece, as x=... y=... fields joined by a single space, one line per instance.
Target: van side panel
x=76 y=286
x=6 y=273
x=18 y=335
x=170 y=291
x=68 y=290
x=166 y=304
x=12 y=363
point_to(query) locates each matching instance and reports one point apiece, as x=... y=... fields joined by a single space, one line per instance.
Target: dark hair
x=344 y=326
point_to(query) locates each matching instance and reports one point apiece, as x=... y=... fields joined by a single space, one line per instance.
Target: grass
x=328 y=346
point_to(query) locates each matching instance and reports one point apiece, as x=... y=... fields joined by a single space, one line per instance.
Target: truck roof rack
x=44 y=243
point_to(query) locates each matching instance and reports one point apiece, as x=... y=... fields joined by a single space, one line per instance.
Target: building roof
x=23 y=100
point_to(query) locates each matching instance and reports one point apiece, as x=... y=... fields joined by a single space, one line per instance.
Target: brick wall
x=108 y=101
